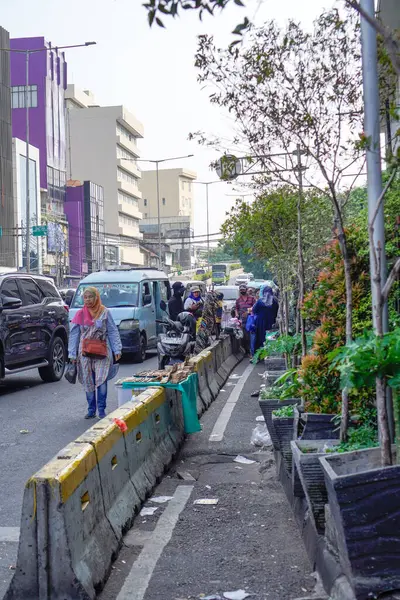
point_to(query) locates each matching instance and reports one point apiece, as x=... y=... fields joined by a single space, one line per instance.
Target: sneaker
x=90 y=416
x=102 y=415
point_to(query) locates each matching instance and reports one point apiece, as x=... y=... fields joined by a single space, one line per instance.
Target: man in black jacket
x=175 y=303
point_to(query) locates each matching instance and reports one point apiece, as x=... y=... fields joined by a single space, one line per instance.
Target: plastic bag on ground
x=260 y=436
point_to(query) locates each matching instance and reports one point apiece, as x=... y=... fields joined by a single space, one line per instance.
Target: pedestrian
x=218 y=316
x=194 y=304
x=251 y=328
x=243 y=303
x=175 y=303
x=93 y=340
x=265 y=310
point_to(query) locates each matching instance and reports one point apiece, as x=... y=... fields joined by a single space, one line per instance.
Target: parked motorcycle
x=176 y=342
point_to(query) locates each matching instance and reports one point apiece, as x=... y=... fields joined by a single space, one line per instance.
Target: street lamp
x=207 y=183
x=157 y=162
x=27 y=53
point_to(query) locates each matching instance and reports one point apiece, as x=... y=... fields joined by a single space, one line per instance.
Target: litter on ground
x=148 y=510
x=236 y=595
x=160 y=499
x=243 y=460
x=212 y=501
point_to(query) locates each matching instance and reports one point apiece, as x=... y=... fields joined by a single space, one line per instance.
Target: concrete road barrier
x=77 y=508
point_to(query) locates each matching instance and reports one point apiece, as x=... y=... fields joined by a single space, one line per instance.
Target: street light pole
x=28 y=199
x=208 y=231
x=158 y=218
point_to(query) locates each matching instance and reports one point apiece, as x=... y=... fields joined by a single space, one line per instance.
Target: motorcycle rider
x=194 y=304
x=175 y=303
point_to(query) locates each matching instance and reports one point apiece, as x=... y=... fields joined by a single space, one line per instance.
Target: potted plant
x=283 y=425
x=281 y=394
x=306 y=454
x=363 y=491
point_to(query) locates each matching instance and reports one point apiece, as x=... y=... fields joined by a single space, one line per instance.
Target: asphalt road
x=36 y=420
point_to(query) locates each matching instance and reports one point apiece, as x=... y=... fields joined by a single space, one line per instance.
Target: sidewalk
x=248 y=541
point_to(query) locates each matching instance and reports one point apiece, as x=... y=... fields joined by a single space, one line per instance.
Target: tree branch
x=382 y=196
x=390 y=280
x=390 y=43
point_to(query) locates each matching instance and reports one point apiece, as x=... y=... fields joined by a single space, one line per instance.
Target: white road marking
x=139 y=577
x=9 y=534
x=217 y=434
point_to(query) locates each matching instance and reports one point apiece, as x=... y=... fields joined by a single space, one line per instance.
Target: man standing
x=175 y=303
x=243 y=305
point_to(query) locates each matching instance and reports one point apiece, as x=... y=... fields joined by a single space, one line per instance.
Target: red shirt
x=243 y=303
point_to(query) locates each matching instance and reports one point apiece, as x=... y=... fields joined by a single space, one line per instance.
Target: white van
x=133 y=297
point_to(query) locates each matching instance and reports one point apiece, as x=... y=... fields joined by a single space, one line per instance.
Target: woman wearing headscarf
x=265 y=310
x=93 y=340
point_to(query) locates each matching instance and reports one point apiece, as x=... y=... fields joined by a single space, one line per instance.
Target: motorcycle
x=176 y=342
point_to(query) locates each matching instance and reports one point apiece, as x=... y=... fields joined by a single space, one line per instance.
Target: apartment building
x=47 y=80
x=176 y=193
x=102 y=147
x=7 y=238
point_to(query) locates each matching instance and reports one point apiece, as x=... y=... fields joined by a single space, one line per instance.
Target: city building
x=102 y=147
x=37 y=245
x=176 y=237
x=176 y=193
x=84 y=208
x=8 y=233
x=46 y=87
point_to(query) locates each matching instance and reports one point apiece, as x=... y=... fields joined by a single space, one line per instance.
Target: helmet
x=178 y=287
x=185 y=318
x=195 y=288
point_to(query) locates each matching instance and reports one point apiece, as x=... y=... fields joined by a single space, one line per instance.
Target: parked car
x=200 y=271
x=34 y=326
x=231 y=294
x=133 y=297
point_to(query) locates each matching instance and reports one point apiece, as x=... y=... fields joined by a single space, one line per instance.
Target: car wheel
x=57 y=360
x=140 y=356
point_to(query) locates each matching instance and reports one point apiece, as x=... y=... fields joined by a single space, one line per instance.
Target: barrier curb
x=77 y=508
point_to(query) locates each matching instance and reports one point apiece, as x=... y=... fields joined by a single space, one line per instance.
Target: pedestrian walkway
x=248 y=540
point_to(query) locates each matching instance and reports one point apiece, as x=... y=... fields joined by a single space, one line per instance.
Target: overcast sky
x=150 y=70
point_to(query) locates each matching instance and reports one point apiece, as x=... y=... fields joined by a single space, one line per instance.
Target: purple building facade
x=47 y=129
x=84 y=209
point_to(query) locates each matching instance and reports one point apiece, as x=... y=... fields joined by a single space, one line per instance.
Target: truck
x=220 y=274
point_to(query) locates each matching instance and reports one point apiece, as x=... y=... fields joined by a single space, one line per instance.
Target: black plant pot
x=284 y=429
x=314 y=426
x=306 y=463
x=364 y=500
x=267 y=407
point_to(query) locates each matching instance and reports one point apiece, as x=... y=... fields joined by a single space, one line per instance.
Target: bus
x=220 y=274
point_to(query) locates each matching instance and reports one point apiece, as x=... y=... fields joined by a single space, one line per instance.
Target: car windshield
x=229 y=293
x=218 y=274
x=113 y=295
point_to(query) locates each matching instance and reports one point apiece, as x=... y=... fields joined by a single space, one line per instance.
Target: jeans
x=252 y=342
x=101 y=400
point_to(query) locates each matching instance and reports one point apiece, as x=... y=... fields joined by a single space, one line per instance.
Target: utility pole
x=374 y=171
x=28 y=199
x=158 y=218
x=300 y=252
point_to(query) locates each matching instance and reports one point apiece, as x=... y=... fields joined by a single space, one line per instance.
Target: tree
x=295 y=88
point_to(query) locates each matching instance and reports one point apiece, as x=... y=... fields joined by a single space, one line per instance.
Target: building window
x=163 y=201
x=18 y=96
x=122 y=197
x=128 y=221
x=122 y=153
x=122 y=131
x=124 y=176
x=145 y=202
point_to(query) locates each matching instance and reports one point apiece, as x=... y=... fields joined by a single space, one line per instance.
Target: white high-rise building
x=102 y=147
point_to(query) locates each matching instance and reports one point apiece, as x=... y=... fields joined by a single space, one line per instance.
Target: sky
x=151 y=71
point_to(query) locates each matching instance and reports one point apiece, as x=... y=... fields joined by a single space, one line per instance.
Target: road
x=36 y=420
